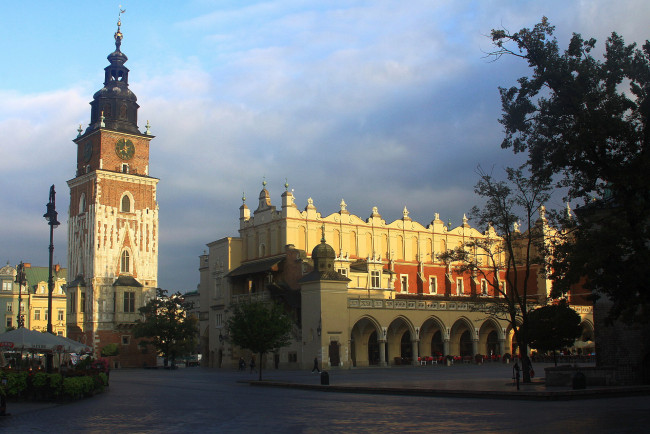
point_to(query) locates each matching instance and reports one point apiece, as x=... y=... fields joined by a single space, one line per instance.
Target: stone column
x=382 y=353
x=416 y=353
x=502 y=347
x=474 y=347
x=445 y=347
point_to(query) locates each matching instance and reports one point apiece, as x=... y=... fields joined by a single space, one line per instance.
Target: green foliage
x=553 y=327
x=16 y=383
x=259 y=327
x=167 y=325
x=102 y=376
x=586 y=123
x=39 y=379
x=77 y=387
x=110 y=350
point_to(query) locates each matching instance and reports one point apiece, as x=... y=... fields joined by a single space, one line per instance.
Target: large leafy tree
x=511 y=252
x=553 y=327
x=259 y=327
x=167 y=325
x=584 y=122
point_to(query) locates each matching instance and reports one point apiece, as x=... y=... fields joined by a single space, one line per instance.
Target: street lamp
x=50 y=216
x=21 y=281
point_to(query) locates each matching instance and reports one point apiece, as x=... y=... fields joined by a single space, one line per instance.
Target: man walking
x=315 y=368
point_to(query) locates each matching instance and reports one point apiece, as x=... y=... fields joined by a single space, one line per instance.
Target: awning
x=256 y=266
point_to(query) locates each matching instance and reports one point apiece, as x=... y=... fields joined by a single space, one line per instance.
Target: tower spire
x=118 y=33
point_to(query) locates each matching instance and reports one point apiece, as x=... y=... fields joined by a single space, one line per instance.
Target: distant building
x=361 y=292
x=34 y=298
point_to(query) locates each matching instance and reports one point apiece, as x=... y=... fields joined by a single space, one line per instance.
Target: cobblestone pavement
x=203 y=400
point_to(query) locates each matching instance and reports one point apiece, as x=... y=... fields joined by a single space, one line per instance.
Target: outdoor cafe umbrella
x=24 y=339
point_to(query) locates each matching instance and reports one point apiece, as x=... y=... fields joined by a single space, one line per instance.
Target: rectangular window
x=46 y=314
x=343 y=272
x=22 y=307
x=9 y=322
x=37 y=314
x=433 y=285
x=293 y=357
x=10 y=306
x=6 y=285
x=404 y=283
x=60 y=315
x=484 y=287
x=73 y=302
x=129 y=301
x=375 y=280
x=82 y=302
x=218 y=318
x=459 y=286
x=126 y=340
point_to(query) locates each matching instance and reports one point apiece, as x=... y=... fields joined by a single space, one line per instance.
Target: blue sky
x=381 y=103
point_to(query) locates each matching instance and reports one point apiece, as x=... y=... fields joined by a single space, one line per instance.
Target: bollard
x=324 y=378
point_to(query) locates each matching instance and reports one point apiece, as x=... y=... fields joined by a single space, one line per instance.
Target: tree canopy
x=553 y=327
x=584 y=124
x=260 y=327
x=167 y=325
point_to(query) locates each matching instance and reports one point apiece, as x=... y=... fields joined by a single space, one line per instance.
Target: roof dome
x=323 y=256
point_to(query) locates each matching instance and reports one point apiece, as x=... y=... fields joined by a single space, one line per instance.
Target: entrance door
x=335 y=359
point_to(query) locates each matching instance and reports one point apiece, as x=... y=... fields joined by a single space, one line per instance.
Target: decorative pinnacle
x=243 y=197
x=118 y=34
x=286 y=185
x=264 y=182
x=79 y=130
x=322 y=240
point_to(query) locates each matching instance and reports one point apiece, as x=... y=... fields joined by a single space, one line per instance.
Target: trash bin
x=579 y=381
x=324 y=378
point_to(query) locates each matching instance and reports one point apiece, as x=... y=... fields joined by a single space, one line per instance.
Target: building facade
x=33 y=298
x=113 y=221
x=391 y=300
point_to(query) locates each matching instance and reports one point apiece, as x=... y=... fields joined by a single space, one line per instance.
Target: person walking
x=515 y=373
x=315 y=368
x=252 y=364
x=242 y=364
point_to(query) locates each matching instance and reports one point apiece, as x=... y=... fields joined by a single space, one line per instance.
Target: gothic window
x=459 y=286
x=484 y=287
x=126 y=203
x=82 y=203
x=125 y=262
x=123 y=111
x=404 y=280
x=433 y=285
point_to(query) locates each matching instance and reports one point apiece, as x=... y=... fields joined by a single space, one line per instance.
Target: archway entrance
x=492 y=343
x=406 y=348
x=335 y=358
x=465 y=344
x=437 y=346
x=373 y=349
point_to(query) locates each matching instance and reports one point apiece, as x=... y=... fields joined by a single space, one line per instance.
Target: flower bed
x=40 y=386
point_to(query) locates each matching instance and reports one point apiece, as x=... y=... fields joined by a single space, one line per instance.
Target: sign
x=6 y=344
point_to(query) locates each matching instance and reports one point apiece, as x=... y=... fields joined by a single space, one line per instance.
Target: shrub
x=39 y=380
x=110 y=350
x=16 y=383
x=104 y=378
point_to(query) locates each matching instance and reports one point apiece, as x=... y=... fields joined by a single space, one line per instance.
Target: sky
x=385 y=103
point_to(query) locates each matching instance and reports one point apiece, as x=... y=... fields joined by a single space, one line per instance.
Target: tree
x=553 y=327
x=585 y=123
x=168 y=326
x=259 y=327
x=506 y=257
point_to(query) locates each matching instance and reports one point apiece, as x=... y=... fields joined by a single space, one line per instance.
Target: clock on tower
x=113 y=224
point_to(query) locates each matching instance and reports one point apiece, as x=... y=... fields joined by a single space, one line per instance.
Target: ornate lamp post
x=51 y=217
x=21 y=281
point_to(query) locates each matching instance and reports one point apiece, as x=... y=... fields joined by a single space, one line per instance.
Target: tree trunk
x=525 y=363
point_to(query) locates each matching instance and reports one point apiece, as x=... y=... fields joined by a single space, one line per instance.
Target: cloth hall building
x=363 y=292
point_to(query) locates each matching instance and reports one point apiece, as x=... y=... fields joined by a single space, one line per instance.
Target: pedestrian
x=242 y=364
x=252 y=364
x=315 y=368
x=515 y=373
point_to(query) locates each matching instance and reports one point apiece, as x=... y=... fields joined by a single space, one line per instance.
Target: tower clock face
x=124 y=149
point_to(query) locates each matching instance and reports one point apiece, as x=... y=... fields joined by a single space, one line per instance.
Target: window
x=9 y=322
x=129 y=302
x=125 y=262
x=484 y=287
x=459 y=286
x=6 y=285
x=10 y=306
x=433 y=285
x=126 y=339
x=22 y=307
x=343 y=272
x=82 y=308
x=60 y=315
x=46 y=314
x=293 y=357
x=82 y=203
x=374 y=279
x=126 y=200
x=59 y=333
x=125 y=169
x=218 y=318
x=404 y=283
x=37 y=314
x=73 y=304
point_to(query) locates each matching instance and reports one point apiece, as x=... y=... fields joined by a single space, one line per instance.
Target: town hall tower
x=113 y=222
